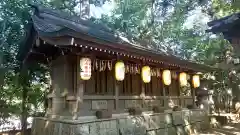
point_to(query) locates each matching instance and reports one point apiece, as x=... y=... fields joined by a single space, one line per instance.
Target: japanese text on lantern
x=85 y=64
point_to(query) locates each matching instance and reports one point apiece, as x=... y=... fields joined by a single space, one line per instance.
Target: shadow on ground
x=229 y=129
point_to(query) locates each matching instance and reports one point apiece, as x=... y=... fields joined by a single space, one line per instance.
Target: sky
x=96 y=11
x=105 y=9
x=196 y=17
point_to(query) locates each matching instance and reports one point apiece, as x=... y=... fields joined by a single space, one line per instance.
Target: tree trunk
x=24 y=82
x=24 y=112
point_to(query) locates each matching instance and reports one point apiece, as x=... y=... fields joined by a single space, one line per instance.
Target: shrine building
x=96 y=73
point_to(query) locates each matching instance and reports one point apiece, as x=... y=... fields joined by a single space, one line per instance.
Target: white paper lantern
x=146 y=74
x=119 y=71
x=183 y=79
x=86 y=70
x=167 y=77
x=196 y=81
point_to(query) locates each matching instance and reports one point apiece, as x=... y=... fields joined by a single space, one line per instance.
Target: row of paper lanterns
x=85 y=64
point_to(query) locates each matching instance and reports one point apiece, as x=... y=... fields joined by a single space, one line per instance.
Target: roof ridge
x=69 y=17
x=213 y=22
x=59 y=18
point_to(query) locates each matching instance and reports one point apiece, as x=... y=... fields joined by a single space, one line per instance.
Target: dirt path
x=230 y=129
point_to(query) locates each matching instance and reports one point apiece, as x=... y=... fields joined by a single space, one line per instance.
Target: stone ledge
x=144 y=124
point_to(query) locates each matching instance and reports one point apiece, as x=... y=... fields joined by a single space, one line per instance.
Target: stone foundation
x=181 y=123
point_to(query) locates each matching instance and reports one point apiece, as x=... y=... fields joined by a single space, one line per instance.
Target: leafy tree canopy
x=158 y=24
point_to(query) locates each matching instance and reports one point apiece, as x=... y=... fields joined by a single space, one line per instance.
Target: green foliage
x=223 y=8
x=15 y=15
x=157 y=24
x=160 y=25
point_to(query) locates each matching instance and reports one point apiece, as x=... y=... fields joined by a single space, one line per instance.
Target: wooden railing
x=148 y=124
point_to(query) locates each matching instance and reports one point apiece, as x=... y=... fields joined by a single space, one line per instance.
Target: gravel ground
x=233 y=128
x=230 y=129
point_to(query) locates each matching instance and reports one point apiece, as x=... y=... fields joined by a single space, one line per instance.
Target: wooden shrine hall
x=229 y=27
x=95 y=70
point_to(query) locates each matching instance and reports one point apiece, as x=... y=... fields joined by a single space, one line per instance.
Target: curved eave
x=52 y=24
x=27 y=43
x=139 y=50
x=223 y=24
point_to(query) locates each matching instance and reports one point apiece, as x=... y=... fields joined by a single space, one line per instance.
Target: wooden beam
x=137 y=51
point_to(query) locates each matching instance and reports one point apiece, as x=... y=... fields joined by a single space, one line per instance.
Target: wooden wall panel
x=160 y=87
x=167 y=90
x=147 y=89
x=90 y=84
x=136 y=84
x=101 y=83
x=131 y=85
x=154 y=88
x=121 y=88
x=71 y=69
x=154 y=85
x=110 y=82
x=98 y=83
x=103 y=88
x=174 y=90
x=124 y=83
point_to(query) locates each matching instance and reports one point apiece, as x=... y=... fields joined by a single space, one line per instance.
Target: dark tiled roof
x=53 y=23
x=229 y=26
x=224 y=24
x=49 y=22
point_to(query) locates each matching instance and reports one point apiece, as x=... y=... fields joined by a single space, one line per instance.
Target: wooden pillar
x=60 y=76
x=117 y=83
x=58 y=68
x=57 y=105
x=180 y=96
x=193 y=92
x=193 y=96
x=164 y=97
x=25 y=83
x=143 y=94
x=79 y=98
x=80 y=92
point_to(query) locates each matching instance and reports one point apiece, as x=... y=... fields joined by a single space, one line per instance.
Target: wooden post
x=143 y=94
x=193 y=96
x=79 y=98
x=193 y=92
x=164 y=96
x=23 y=75
x=59 y=84
x=117 y=95
x=80 y=92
